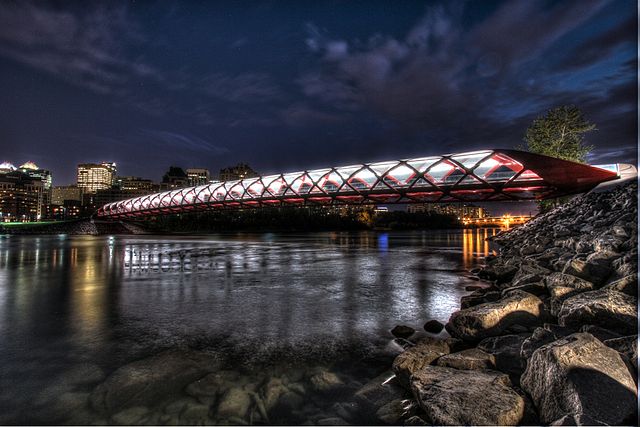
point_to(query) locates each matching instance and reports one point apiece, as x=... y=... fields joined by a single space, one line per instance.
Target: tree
x=560 y=133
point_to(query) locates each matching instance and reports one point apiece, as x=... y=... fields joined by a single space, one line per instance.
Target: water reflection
x=107 y=300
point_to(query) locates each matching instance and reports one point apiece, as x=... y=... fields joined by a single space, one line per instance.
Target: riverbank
x=550 y=337
x=79 y=227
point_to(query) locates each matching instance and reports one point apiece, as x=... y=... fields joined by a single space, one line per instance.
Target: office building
x=239 y=171
x=61 y=193
x=21 y=195
x=198 y=176
x=96 y=176
x=174 y=178
x=136 y=185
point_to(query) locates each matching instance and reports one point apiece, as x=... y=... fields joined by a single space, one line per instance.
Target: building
x=239 y=171
x=174 y=178
x=198 y=176
x=460 y=210
x=137 y=185
x=65 y=192
x=69 y=209
x=96 y=176
x=21 y=195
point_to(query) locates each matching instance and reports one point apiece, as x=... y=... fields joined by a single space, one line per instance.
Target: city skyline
x=287 y=88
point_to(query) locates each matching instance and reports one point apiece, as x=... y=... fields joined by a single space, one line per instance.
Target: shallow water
x=259 y=301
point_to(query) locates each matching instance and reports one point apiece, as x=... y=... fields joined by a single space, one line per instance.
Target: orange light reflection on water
x=475 y=244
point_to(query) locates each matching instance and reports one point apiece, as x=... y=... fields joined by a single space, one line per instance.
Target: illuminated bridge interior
x=491 y=175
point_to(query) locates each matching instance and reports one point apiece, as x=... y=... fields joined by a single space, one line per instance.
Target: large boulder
x=562 y=286
x=591 y=270
x=472 y=358
x=143 y=382
x=415 y=358
x=578 y=375
x=492 y=319
x=450 y=396
x=506 y=351
x=608 y=309
x=626 y=346
x=627 y=285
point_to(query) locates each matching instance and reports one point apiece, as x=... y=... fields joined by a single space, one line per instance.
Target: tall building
x=96 y=176
x=21 y=195
x=239 y=171
x=198 y=176
x=174 y=178
x=460 y=210
x=61 y=193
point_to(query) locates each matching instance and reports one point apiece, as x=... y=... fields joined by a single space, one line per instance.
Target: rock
x=594 y=272
x=234 y=403
x=578 y=375
x=535 y=288
x=415 y=421
x=540 y=337
x=332 y=421
x=462 y=397
x=577 y=420
x=433 y=326
x=414 y=359
x=131 y=416
x=325 y=382
x=626 y=346
x=195 y=414
x=456 y=344
x=84 y=373
x=607 y=309
x=213 y=384
x=392 y=412
x=506 y=350
x=471 y=288
x=492 y=319
x=63 y=405
x=145 y=381
x=562 y=286
x=600 y=333
x=627 y=285
x=402 y=331
x=472 y=358
x=272 y=390
x=380 y=391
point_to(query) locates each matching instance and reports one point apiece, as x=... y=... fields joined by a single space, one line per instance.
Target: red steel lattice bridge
x=480 y=176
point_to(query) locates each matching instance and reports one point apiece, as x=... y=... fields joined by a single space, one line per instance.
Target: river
x=258 y=300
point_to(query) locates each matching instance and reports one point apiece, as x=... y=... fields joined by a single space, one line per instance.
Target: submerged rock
x=578 y=375
x=433 y=326
x=492 y=319
x=325 y=382
x=402 y=331
x=143 y=382
x=463 y=397
x=380 y=391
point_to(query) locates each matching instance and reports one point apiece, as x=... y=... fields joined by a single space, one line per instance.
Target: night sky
x=288 y=85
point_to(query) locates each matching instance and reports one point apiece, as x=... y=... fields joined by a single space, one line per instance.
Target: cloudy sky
x=286 y=85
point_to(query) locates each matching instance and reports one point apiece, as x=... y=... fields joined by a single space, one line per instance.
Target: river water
x=259 y=301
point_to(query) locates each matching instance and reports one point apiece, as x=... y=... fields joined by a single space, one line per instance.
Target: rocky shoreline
x=550 y=337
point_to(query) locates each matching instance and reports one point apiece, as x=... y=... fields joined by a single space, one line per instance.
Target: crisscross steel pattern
x=488 y=175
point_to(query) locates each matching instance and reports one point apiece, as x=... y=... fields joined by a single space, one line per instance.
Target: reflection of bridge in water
x=492 y=175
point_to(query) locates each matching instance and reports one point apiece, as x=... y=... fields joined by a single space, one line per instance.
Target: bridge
x=480 y=176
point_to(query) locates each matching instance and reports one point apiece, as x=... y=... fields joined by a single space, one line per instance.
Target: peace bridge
x=480 y=176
